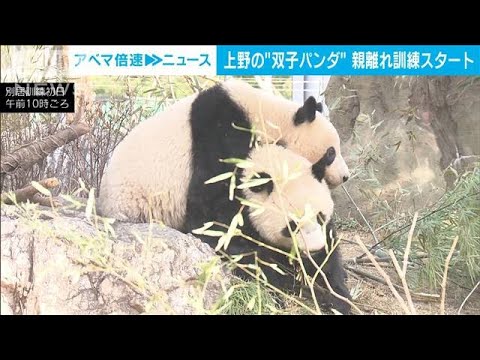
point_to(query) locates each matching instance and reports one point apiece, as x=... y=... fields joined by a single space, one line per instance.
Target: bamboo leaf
x=248 y=203
x=82 y=184
x=213 y=233
x=240 y=219
x=241 y=163
x=220 y=242
x=41 y=189
x=90 y=204
x=220 y=177
x=203 y=228
x=251 y=303
x=231 y=188
x=230 y=232
x=252 y=183
x=276 y=268
x=70 y=199
x=240 y=128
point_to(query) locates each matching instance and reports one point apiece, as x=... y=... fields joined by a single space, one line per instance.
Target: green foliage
x=249 y=298
x=457 y=213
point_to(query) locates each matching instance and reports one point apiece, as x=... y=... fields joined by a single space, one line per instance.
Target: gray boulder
x=63 y=263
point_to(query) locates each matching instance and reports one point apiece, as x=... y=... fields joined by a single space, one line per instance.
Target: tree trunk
x=29 y=154
x=429 y=95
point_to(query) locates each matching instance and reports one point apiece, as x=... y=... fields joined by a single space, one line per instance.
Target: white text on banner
x=142 y=60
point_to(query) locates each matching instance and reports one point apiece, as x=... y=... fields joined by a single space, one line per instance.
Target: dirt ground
x=373 y=297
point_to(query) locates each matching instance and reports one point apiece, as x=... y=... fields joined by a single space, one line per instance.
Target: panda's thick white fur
x=149 y=172
x=152 y=171
x=296 y=195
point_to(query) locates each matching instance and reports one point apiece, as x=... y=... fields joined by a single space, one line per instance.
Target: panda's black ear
x=306 y=112
x=268 y=186
x=320 y=107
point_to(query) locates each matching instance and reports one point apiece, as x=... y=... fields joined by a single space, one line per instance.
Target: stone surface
x=65 y=264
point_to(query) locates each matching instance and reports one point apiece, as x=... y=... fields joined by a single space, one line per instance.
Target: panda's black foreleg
x=255 y=255
x=333 y=270
x=286 y=282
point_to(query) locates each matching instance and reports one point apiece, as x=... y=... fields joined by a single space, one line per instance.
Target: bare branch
x=445 y=273
x=361 y=214
x=366 y=260
x=384 y=275
x=466 y=299
x=27 y=155
x=402 y=274
x=409 y=243
x=416 y=296
x=338 y=296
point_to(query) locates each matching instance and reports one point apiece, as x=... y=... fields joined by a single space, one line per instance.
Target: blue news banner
x=286 y=60
x=348 y=60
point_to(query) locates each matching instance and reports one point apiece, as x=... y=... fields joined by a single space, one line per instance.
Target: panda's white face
x=323 y=151
x=317 y=139
x=303 y=129
x=293 y=201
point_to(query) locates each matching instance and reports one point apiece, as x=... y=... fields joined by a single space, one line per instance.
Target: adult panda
x=288 y=203
x=160 y=167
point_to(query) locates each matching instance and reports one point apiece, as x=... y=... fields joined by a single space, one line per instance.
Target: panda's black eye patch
x=319 y=168
x=286 y=232
x=268 y=186
x=330 y=156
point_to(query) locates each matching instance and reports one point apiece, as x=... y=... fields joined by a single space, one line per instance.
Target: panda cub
x=289 y=200
x=160 y=167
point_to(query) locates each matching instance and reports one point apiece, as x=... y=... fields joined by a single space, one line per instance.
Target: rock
x=392 y=153
x=57 y=264
x=398 y=135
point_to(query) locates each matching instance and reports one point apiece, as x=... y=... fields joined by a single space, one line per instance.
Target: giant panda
x=289 y=188
x=159 y=168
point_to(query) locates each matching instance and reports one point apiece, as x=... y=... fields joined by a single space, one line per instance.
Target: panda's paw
x=336 y=303
x=341 y=306
x=330 y=302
